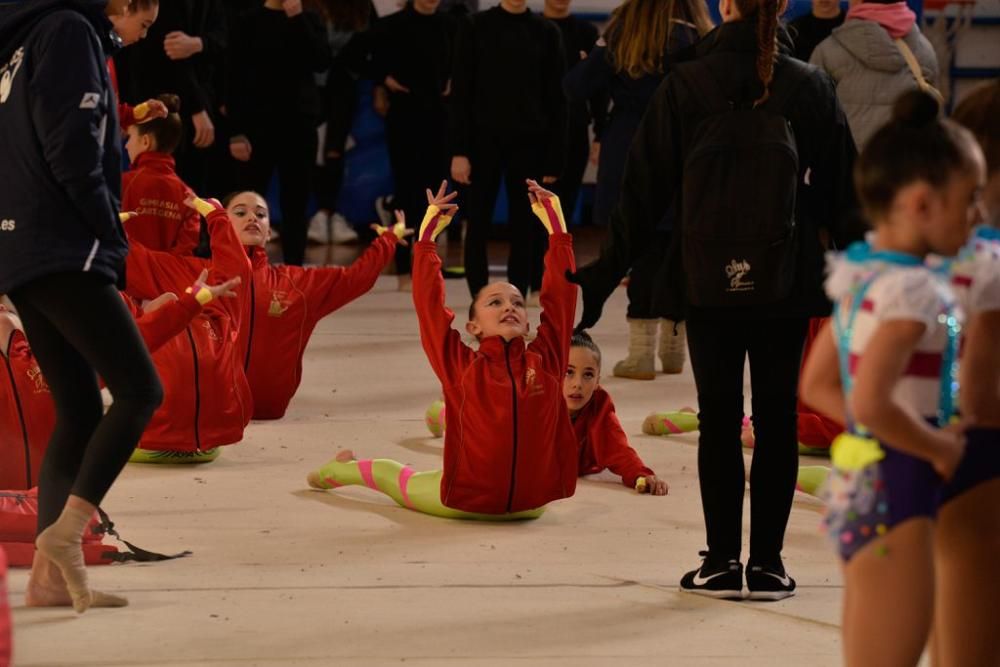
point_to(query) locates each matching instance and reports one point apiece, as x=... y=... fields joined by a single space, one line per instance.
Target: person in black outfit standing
x=508 y=120
x=413 y=56
x=742 y=63
x=643 y=41
x=62 y=249
x=181 y=55
x=578 y=38
x=810 y=29
x=274 y=107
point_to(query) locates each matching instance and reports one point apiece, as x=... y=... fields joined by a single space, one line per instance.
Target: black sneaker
x=769 y=583
x=723 y=581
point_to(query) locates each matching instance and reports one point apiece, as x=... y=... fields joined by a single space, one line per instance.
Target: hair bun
x=915 y=109
x=172 y=102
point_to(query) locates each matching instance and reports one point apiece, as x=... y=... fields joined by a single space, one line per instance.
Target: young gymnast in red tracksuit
x=288 y=301
x=602 y=440
x=152 y=190
x=27 y=412
x=207 y=401
x=510 y=447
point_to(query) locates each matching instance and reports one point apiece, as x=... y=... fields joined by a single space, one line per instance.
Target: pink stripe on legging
x=366 y=473
x=404 y=478
x=670 y=426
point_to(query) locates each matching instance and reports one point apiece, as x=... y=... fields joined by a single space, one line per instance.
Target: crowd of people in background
x=730 y=159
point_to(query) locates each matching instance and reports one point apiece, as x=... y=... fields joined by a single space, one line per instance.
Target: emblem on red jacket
x=278 y=306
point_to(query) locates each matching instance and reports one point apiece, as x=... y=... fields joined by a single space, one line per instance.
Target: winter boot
x=673 y=346
x=641 y=361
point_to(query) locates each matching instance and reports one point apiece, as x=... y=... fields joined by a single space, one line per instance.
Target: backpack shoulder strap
x=786 y=83
x=699 y=78
x=918 y=74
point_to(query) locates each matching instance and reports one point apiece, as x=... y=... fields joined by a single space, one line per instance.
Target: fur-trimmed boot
x=640 y=364
x=673 y=346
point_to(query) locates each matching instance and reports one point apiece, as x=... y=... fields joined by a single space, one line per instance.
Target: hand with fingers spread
x=440 y=210
x=205 y=293
x=203 y=206
x=149 y=110
x=546 y=207
x=399 y=229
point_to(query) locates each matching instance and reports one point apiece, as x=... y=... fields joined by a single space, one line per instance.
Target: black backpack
x=739 y=240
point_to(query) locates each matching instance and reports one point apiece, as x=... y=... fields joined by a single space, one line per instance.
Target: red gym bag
x=18 y=524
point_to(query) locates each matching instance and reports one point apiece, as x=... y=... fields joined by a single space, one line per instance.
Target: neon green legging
x=418 y=491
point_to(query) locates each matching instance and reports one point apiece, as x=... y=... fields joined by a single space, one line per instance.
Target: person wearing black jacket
x=578 y=38
x=720 y=338
x=413 y=60
x=274 y=107
x=642 y=43
x=62 y=250
x=181 y=55
x=810 y=29
x=508 y=120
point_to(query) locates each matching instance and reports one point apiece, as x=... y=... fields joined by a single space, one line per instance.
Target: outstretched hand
x=546 y=207
x=440 y=211
x=399 y=229
x=205 y=292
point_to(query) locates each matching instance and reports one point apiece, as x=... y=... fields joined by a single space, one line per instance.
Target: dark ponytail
x=767 y=45
x=766 y=13
x=915 y=145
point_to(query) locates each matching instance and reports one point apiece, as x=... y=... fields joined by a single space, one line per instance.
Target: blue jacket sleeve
x=71 y=105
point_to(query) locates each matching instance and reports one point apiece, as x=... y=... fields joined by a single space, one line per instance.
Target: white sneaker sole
x=769 y=596
x=717 y=595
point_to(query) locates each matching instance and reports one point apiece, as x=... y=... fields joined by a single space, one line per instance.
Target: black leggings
x=79 y=328
x=718 y=353
x=292 y=153
x=512 y=159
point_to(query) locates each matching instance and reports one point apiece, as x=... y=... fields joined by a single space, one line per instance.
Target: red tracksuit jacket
x=207 y=401
x=509 y=445
x=27 y=413
x=603 y=443
x=152 y=189
x=288 y=302
x=27 y=416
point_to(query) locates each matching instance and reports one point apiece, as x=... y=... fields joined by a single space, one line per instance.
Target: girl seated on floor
x=289 y=301
x=510 y=448
x=602 y=441
x=207 y=401
x=152 y=189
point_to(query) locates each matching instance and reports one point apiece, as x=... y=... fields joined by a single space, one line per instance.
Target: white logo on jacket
x=735 y=271
x=8 y=72
x=90 y=100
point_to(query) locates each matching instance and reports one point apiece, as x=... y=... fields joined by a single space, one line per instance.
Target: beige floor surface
x=282 y=575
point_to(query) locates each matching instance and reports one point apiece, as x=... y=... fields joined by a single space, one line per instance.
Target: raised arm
x=446 y=352
x=558 y=296
x=331 y=288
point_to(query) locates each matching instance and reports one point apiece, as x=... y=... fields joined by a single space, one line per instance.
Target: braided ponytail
x=767 y=44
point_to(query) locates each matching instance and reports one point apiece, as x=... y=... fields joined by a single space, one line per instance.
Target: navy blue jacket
x=60 y=166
